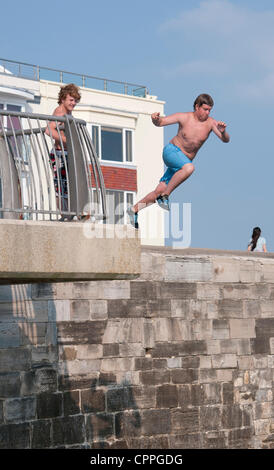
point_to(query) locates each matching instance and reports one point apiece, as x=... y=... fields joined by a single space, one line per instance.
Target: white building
x=129 y=146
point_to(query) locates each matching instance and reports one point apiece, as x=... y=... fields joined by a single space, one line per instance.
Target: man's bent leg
x=150 y=198
x=179 y=177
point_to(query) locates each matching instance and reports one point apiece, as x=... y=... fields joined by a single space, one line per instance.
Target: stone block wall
x=165 y=361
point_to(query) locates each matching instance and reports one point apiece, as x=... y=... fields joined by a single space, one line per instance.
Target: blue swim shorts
x=174 y=159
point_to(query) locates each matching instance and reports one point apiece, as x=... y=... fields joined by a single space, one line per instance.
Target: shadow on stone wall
x=137 y=364
x=28 y=366
x=50 y=395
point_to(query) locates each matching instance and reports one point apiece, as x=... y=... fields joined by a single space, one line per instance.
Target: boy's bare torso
x=66 y=107
x=60 y=111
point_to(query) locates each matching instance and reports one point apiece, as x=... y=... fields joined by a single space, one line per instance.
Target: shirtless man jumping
x=193 y=130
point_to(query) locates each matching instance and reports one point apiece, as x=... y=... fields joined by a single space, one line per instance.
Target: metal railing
x=36 y=72
x=45 y=176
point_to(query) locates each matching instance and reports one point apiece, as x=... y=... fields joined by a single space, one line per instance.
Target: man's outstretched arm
x=219 y=128
x=160 y=121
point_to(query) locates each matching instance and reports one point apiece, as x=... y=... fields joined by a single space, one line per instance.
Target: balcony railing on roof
x=39 y=182
x=36 y=72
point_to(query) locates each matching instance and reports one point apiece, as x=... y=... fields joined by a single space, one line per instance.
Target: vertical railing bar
x=85 y=161
x=26 y=170
x=30 y=172
x=98 y=168
x=36 y=159
x=74 y=160
x=17 y=160
x=50 y=163
x=50 y=169
x=92 y=161
x=31 y=166
x=95 y=192
x=57 y=172
x=9 y=158
x=66 y=167
x=93 y=158
x=44 y=168
x=45 y=157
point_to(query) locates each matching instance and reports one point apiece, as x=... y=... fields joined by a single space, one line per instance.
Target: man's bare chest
x=197 y=132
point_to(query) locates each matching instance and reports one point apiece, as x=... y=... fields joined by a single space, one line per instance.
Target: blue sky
x=178 y=49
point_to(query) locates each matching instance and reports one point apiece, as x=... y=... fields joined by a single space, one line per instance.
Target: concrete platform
x=162 y=361
x=205 y=265
x=34 y=251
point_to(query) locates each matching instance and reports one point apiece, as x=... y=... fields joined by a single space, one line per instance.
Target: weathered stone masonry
x=183 y=357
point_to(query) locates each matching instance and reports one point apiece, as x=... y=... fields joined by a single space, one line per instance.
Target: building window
x=13 y=121
x=117 y=203
x=113 y=144
x=10 y=121
x=128 y=145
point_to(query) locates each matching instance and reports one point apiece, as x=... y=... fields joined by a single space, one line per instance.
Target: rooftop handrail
x=82 y=79
x=39 y=181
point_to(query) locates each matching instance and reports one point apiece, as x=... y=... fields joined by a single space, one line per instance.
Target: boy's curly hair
x=71 y=90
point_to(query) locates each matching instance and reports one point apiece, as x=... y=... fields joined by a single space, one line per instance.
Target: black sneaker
x=163 y=202
x=133 y=218
x=66 y=218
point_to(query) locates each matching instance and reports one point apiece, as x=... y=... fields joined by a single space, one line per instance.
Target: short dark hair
x=203 y=99
x=71 y=90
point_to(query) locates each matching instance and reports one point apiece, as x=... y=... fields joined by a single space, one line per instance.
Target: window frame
x=11 y=102
x=125 y=203
x=124 y=161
